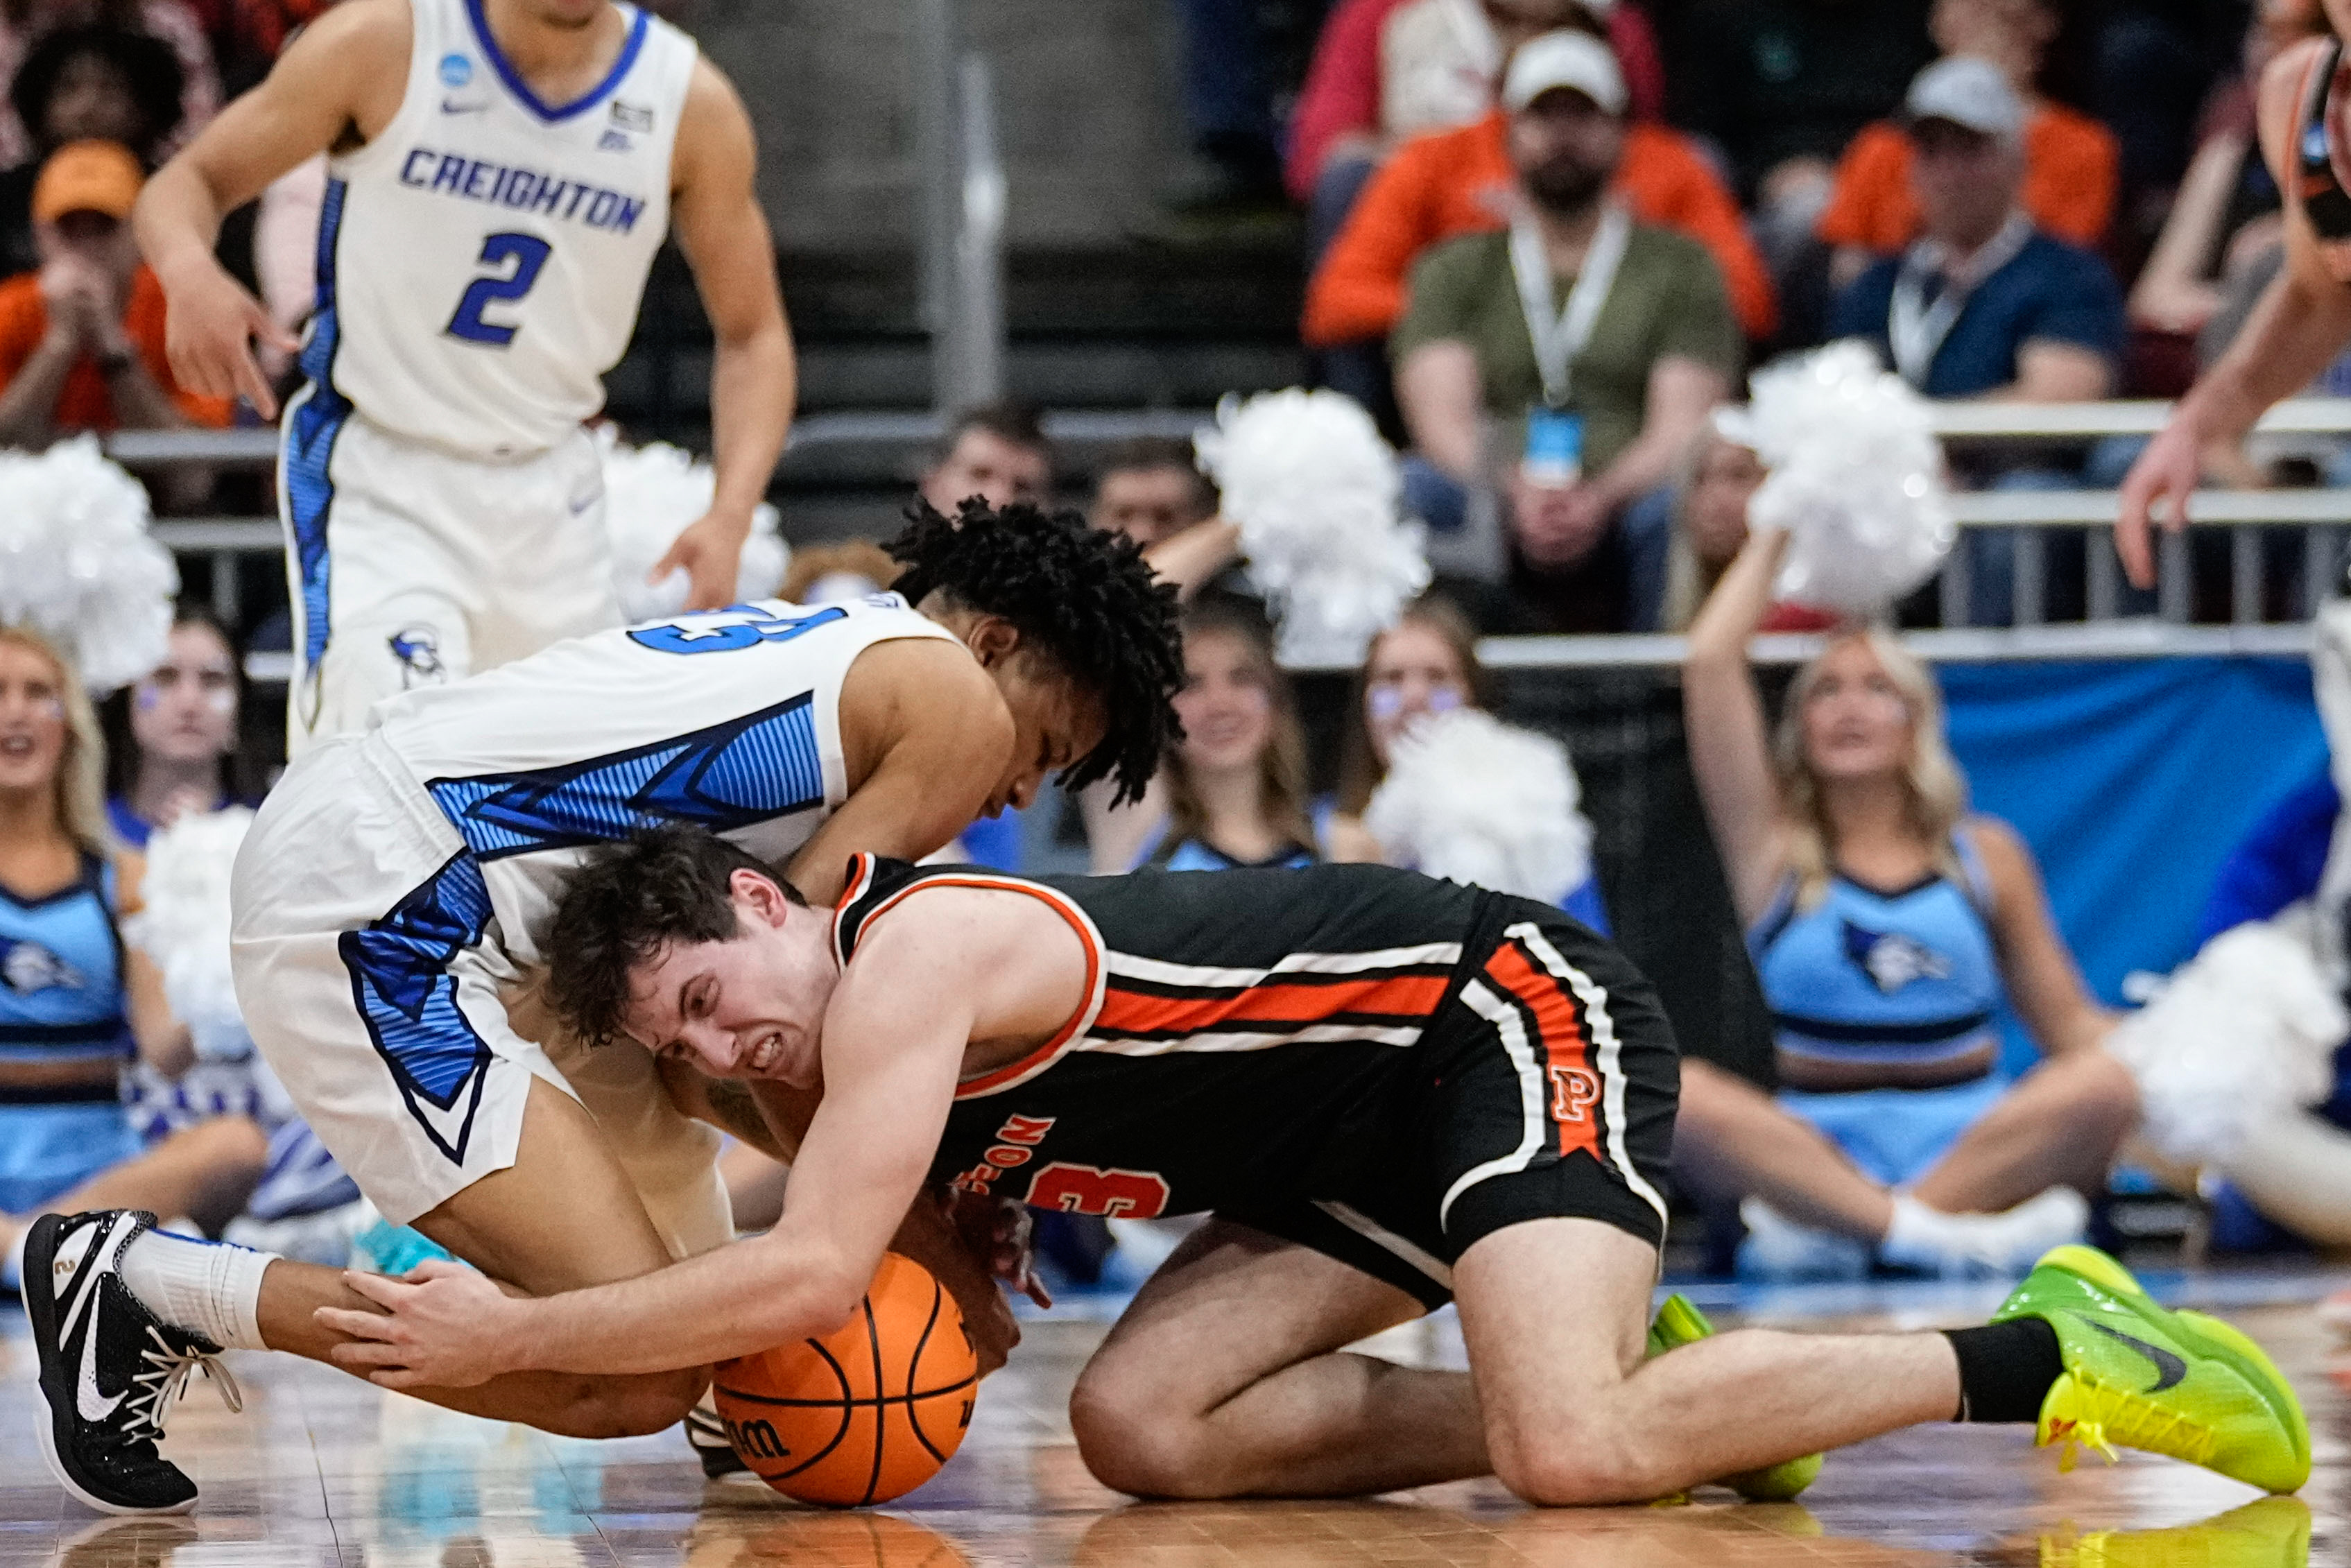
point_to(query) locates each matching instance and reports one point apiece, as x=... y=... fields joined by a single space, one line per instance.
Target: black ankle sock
x=2006 y=1369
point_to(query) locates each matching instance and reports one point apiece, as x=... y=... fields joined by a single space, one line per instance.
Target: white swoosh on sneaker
x=95 y=1262
x=85 y=1396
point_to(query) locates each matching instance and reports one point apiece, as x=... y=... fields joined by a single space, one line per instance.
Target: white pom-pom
x=184 y=921
x=77 y=565
x=1857 y=478
x=1470 y=799
x=2245 y=1033
x=650 y=495
x=1313 y=490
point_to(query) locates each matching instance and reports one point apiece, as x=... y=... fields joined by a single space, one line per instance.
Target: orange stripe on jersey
x=1561 y=1048
x=1401 y=997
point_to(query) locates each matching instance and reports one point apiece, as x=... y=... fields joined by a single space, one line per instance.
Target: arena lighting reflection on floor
x=323 y=1472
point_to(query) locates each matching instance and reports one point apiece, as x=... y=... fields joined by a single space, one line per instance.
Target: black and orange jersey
x=1251 y=1033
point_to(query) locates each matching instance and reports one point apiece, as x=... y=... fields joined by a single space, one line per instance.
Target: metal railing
x=2321 y=518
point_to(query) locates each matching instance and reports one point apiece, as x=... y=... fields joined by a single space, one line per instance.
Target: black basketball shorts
x=1544 y=1089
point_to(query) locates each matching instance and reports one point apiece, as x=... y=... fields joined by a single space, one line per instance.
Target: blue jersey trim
x=640 y=25
x=402 y=988
x=742 y=771
x=312 y=427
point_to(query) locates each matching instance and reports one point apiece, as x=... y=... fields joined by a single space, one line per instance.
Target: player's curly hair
x=626 y=904
x=1085 y=597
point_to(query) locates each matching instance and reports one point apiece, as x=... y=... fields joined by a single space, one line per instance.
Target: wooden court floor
x=322 y=1471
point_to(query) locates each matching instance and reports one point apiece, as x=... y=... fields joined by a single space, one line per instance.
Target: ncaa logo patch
x=456 y=70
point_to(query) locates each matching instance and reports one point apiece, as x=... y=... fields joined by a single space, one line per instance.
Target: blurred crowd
x=1546 y=239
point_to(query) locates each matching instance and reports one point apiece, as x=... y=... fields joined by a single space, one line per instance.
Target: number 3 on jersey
x=529 y=253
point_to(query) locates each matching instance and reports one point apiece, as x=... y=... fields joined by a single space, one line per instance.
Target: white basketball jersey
x=481 y=262
x=729 y=718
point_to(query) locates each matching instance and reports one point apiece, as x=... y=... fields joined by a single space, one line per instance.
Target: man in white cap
x=1592 y=344
x=1983 y=304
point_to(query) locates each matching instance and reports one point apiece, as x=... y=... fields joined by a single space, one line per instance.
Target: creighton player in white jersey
x=392 y=894
x=502 y=173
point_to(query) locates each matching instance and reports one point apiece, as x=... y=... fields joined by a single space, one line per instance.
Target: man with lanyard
x=1595 y=344
x=1982 y=305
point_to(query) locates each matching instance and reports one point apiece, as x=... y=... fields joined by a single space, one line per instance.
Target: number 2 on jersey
x=529 y=253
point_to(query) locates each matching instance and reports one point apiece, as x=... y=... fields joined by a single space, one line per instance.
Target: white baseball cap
x=1967 y=92
x=1577 y=61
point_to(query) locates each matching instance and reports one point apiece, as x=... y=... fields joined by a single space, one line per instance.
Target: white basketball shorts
x=369 y=971
x=408 y=565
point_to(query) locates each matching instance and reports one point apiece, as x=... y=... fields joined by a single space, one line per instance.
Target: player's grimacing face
x=750 y=1007
x=32 y=718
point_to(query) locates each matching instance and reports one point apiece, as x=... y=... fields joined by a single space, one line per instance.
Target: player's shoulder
x=927 y=684
x=712 y=104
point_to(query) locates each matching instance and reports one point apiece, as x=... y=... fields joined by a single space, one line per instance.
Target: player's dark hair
x=626 y=904
x=1087 y=600
x=150 y=72
x=1008 y=419
x=1149 y=454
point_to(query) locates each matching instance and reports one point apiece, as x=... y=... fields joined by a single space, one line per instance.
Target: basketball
x=869 y=1411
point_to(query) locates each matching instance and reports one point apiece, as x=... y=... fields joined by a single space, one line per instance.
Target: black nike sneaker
x=110 y=1369
x=708 y=1438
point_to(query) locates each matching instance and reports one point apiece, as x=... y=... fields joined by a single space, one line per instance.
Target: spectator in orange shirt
x=81 y=340
x=1453 y=183
x=2071 y=162
x=1388 y=70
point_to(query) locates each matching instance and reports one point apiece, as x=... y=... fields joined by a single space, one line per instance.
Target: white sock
x=205 y=1287
x=11 y=1264
x=1918 y=1237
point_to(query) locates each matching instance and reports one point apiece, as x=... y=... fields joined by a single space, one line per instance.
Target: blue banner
x=2132 y=780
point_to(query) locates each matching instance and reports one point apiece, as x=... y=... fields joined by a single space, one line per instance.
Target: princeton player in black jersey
x=1386 y=1090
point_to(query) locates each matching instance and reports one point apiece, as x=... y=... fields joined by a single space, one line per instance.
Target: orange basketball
x=868 y=1411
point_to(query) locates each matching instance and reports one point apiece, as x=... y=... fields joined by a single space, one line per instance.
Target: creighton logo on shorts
x=27 y=966
x=418 y=649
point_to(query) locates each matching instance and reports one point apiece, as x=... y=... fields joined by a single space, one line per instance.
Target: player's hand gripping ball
x=869 y=1411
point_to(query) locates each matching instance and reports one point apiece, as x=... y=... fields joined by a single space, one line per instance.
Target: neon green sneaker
x=2272 y=1533
x=1680 y=1322
x=2175 y=1383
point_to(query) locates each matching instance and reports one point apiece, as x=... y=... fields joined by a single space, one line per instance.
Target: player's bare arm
x=964 y=1250
x=339 y=82
x=2303 y=320
x=949 y=984
x=715 y=215
x=927 y=741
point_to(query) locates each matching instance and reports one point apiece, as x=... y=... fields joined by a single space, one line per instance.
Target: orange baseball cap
x=87 y=177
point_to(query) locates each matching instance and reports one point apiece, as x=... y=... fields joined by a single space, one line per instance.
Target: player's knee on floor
x=634 y=1407
x=1575 y=1464
x=1140 y=1445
